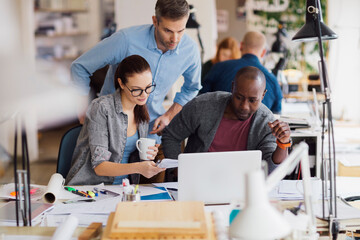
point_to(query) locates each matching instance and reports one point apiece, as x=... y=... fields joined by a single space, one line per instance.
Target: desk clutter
x=52 y=204
x=107 y=213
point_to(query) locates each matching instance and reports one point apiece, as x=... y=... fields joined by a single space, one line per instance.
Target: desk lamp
x=259 y=220
x=192 y=23
x=315 y=30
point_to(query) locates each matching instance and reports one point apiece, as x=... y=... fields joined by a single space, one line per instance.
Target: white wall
x=344 y=58
x=17 y=45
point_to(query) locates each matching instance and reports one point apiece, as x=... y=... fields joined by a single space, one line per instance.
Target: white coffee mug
x=143 y=145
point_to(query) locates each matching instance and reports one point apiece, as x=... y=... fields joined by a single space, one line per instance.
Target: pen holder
x=131 y=197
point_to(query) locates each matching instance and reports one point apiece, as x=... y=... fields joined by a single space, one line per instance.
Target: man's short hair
x=250 y=72
x=171 y=9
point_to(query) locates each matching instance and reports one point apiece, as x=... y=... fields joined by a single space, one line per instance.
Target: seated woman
x=228 y=49
x=112 y=125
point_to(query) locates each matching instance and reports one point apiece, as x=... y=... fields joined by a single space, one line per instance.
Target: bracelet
x=283 y=145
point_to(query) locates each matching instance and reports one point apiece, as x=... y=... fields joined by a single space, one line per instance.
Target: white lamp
x=259 y=219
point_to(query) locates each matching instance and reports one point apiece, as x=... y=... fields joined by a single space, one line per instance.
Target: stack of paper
x=293 y=190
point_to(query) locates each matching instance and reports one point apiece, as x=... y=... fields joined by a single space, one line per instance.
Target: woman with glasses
x=113 y=124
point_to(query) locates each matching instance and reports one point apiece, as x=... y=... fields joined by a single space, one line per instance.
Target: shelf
x=61 y=35
x=49 y=10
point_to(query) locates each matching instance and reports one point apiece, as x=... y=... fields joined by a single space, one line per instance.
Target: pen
x=79 y=201
x=85 y=194
x=74 y=191
x=158 y=162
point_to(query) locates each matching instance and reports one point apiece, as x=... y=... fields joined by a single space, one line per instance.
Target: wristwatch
x=284 y=145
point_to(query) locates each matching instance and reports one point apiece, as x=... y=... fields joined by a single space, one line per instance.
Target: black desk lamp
x=315 y=30
x=192 y=23
x=280 y=47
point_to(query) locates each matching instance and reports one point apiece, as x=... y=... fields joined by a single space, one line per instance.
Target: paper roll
x=66 y=229
x=53 y=188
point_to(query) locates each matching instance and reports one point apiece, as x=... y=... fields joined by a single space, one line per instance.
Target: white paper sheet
x=171 y=185
x=168 y=163
x=84 y=219
x=347 y=186
x=293 y=190
x=6 y=189
x=144 y=191
x=105 y=206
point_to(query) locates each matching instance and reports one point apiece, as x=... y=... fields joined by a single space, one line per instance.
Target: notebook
x=215 y=177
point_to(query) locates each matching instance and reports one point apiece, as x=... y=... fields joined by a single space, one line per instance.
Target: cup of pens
x=131 y=197
x=131 y=194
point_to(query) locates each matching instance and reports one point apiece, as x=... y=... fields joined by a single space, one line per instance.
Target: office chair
x=66 y=150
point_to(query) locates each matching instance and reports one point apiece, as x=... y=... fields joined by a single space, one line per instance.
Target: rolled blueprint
x=53 y=188
x=66 y=229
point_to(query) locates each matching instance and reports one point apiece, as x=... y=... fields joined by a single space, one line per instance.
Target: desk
x=35 y=231
x=304 y=96
x=322 y=225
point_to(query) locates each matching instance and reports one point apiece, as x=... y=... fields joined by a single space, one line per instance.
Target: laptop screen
x=215 y=177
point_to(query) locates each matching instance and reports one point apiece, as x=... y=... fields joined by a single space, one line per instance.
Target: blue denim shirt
x=166 y=67
x=102 y=138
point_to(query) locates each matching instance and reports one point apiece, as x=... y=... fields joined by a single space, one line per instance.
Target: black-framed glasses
x=137 y=92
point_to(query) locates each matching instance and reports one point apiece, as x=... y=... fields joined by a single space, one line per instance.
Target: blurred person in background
x=227 y=49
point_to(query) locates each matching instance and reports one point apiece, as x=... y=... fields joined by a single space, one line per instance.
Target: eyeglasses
x=137 y=92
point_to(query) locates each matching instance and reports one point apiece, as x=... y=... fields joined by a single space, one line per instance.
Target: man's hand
x=164 y=120
x=160 y=123
x=81 y=108
x=280 y=130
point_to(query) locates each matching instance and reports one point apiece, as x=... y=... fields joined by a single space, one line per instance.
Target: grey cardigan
x=199 y=120
x=102 y=138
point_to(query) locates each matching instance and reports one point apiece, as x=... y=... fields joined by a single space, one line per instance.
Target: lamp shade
x=192 y=23
x=258 y=220
x=308 y=32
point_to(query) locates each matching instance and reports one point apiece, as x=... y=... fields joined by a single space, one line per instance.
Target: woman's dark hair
x=128 y=67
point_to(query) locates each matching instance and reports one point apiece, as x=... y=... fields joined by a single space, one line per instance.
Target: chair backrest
x=66 y=150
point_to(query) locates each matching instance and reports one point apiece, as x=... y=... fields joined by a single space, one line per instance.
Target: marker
x=85 y=194
x=32 y=191
x=91 y=194
x=136 y=188
x=158 y=162
x=79 y=193
x=70 y=189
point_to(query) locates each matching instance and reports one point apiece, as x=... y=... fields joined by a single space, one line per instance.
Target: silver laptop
x=215 y=177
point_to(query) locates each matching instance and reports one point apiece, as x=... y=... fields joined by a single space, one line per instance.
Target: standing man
x=252 y=50
x=165 y=46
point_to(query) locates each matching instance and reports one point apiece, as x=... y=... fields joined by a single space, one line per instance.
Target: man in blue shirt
x=252 y=49
x=169 y=52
